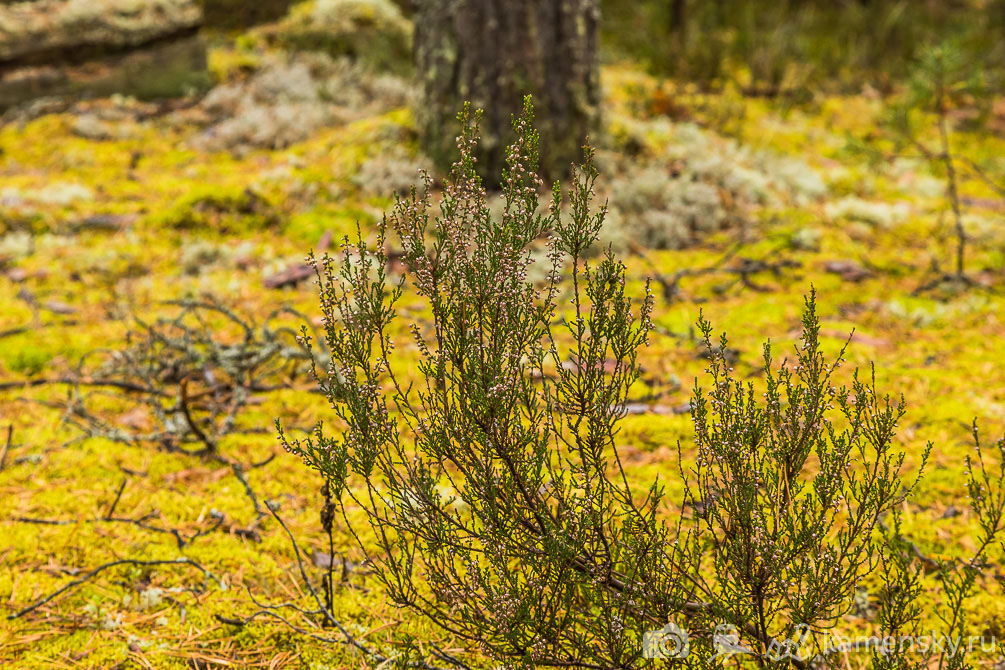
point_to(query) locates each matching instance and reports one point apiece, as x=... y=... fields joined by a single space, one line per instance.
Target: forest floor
x=114 y=207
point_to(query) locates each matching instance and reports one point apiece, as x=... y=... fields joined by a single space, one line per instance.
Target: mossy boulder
x=165 y=69
x=371 y=31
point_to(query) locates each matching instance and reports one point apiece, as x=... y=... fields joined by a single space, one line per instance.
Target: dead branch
x=189 y=378
x=744 y=269
x=115 y=503
x=13 y=331
x=111 y=564
x=6 y=446
x=139 y=523
x=74 y=381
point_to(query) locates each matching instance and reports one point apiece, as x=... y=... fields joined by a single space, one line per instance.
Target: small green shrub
x=28 y=360
x=497 y=505
x=945 y=80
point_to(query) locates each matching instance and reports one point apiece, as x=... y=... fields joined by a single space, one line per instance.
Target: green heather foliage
x=790 y=542
x=496 y=502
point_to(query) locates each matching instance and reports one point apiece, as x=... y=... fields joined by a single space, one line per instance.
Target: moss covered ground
x=98 y=227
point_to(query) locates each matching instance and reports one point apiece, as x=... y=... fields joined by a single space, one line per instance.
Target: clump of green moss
x=27 y=359
x=213 y=209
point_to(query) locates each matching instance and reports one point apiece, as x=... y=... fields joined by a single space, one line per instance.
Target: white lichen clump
x=881 y=214
x=696 y=179
x=290 y=98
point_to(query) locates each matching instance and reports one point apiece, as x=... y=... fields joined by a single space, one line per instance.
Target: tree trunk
x=678 y=19
x=492 y=53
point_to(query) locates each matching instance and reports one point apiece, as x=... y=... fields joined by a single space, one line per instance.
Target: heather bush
x=495 y=500
x=793 y=487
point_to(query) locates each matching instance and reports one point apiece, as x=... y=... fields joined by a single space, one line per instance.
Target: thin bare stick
x=125 y=386
x=982 y=175
x=139 y=523
x=951 y=186
x=13 y=331
x=115 y=503
x=101 y=568
x=196 y=430
x=238 y=470
x=6 y=446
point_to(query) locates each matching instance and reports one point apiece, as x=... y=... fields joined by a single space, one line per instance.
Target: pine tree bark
x=492 y=53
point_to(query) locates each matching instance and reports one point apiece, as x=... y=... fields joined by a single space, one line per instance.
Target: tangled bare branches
x=742 y=269
x=112 y=564
x=187 y=378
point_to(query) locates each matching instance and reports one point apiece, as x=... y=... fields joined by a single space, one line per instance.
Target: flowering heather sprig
x=793 y=502
x=536 y=556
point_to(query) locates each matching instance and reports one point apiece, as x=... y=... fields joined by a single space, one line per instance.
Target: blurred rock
x=89 y=126
x=35 y=32
x=951 y=512
x=164 y=69
x=102 y=223
x=848 y=270
x=66 y=48
x=59 y=307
